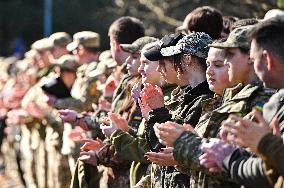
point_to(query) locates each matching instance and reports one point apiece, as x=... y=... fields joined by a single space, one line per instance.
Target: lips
x=211 y=80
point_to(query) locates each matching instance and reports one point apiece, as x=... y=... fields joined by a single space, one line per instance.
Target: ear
x=268 y=59
x=116 y=45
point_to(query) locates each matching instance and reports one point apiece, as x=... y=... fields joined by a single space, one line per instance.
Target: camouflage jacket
x=185 y=107
x=250 y=170
x=133 y=147
x=237 y=100
x=84 y=90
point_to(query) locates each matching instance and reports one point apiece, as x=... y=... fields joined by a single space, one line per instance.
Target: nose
x=128 y=60
x=141 y=68
x=159 y=68
x=209 y=70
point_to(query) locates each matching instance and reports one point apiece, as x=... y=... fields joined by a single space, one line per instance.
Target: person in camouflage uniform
x=58 y=171
x=265 y=170
x=85 y=47
x=185 y=103
x=133 y=147
x=246 y=93
x=34 y=103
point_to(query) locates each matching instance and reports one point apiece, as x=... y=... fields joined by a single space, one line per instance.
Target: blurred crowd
x=201 y=107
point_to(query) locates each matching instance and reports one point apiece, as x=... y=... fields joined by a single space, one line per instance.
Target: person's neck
x=251 y=77
x=89 y=59
x=193 y=79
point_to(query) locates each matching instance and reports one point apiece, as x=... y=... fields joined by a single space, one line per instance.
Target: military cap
x=106 y=58
x=154 y=53
x=68 y=62
x=138 y=44
x=42 y=44
x=60 y=39
x=193 y=44
x=30 y=54
x=87 y=39
x=236 y=39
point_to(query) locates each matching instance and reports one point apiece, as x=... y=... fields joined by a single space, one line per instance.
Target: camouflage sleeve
x=246 y=169
x=159 y=115
x=187 y=152
x=69 y=103
x=108 y=157
x=129 y=147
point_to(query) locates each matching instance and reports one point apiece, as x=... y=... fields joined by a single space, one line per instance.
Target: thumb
x=259 y=118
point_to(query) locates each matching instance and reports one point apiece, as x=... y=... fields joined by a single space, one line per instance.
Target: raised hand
x=215 y=151
x=88 y=157
x=246 y=133
x=91 y=144
x=77 y=134
x=152 y=96
x=168 y=132
x=67 y=115
x=163 y=158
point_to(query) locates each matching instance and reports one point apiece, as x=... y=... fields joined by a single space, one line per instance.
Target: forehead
x=216 y=53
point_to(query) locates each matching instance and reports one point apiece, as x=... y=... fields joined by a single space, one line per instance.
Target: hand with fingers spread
x=113 y=123
x=88 y=157
x=152 y=96
x=109 y=88
x=92 y=144
x=169 y=132
x=163 y=158
x=245 y=133
x=215 y=152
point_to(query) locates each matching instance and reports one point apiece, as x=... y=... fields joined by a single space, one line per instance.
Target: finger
x=167 y=150
x=259 y=118
x=276 y=127
x=215 y=169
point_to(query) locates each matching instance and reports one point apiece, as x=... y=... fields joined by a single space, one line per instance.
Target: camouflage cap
x=31 y=54
x=106 y=58
x=88 y=39
x=193 y=44
x=236 y=39
x=68 y=62
x=42 y=45
x=60 y=39
x=138 y=44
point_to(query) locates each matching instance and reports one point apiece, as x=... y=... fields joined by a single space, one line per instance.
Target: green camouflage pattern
x=238 y=100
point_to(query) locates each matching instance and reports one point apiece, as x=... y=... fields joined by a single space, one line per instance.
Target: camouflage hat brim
x=225 y=44
x=130 y=48
x=72 y=46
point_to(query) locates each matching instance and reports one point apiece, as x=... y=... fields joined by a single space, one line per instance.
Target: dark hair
x=126 y=29
x=179 y=59
x=228 y=22
x=244 y=22
x=205 y=19
x=269 y=36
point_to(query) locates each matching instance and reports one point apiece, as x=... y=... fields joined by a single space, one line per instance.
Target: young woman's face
x=217 y=71
x=148 y=71
x=239 y=66
x=167 y=71
x=133 y=63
